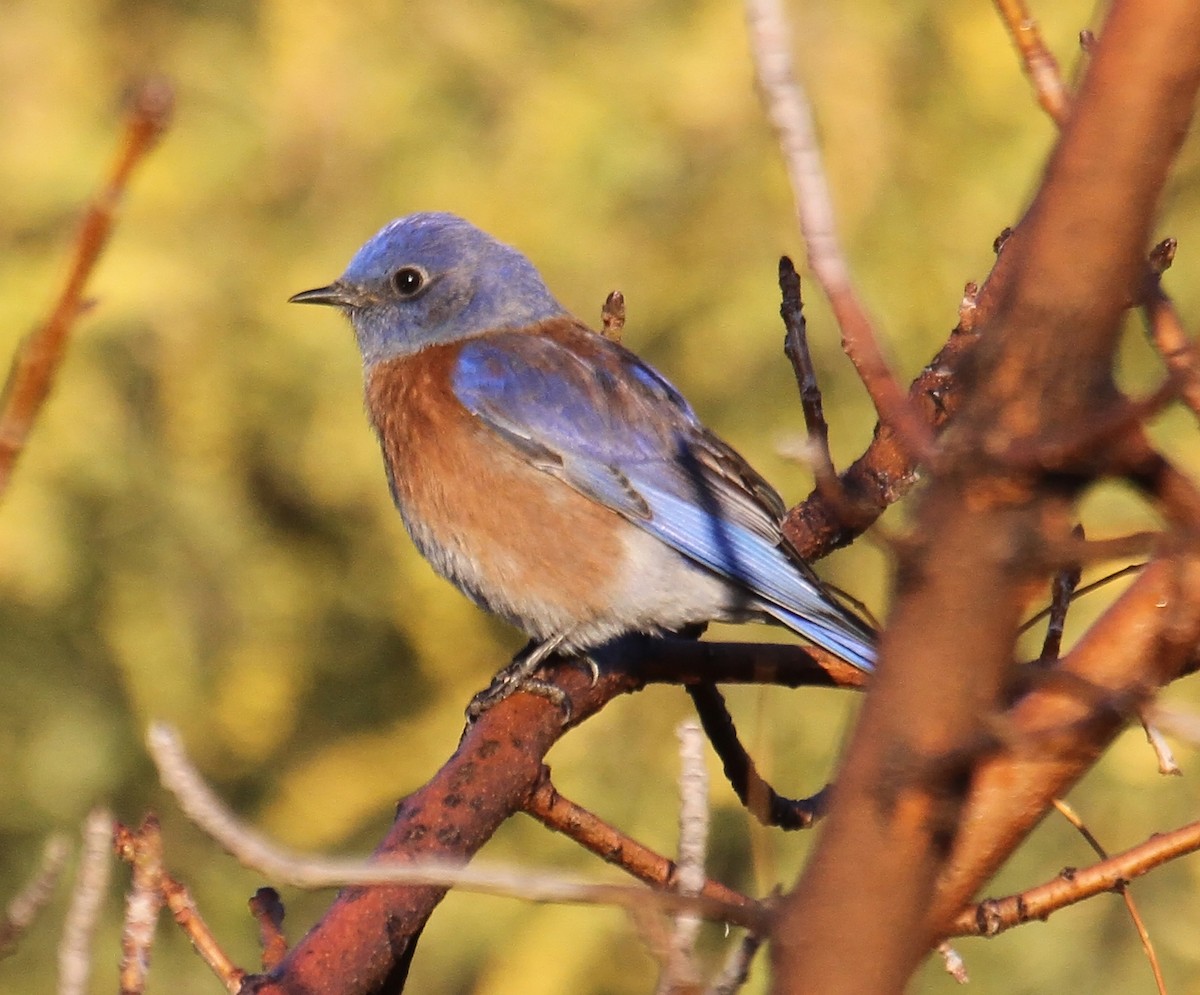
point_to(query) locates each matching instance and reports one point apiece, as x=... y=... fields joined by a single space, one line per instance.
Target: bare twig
x=30 y=900
x=607 y=842
x=1061 y=591
x=952 y=961
x=680 y=970
x=760 y=799
x=737 y=967
x=789 y=111
x=612 y=316
x=143 y=851
x=795 y=347
x=202 y=806
x=152 y=886
x=187 y=916
x=995 y=915
x=91 y=882
x=1184 y=725
x=1120 y=886
x=1176 y=347
x=1167 y=765
x=268 y=912
x=34 y=366
x=1040 y=65
x=1095 y=585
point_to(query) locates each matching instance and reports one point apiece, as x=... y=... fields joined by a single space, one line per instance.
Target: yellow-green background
x=200 y=530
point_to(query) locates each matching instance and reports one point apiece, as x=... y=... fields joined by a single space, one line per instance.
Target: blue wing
x=591 y=413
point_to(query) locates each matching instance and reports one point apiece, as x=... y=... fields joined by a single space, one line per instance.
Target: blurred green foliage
x=200 y=530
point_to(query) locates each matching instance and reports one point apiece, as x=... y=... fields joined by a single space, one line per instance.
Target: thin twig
x=268 y=912
x=91 y=882
x=1040 y=64
x=736 y=971
x=680 y=970
x=1095 y=585
x=953 y=963
x=556 y=812
x=795 y=347
x=142 y=850
x=1177 y=348
x=1068 y=813
x=1061 y=590
x=760 y=799
x=30 y=900
x=152 y=886
x=1183 y=725
x=32 y=373
x=204 y=942
x=788 y=108
x=201 y=805
x=612 y=316
x=995 y=915
x=1167 y=765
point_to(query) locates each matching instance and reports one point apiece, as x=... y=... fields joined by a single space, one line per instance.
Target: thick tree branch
x=857 y=920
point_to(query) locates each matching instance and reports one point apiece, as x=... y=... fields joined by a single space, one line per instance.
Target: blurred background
x=201 y=532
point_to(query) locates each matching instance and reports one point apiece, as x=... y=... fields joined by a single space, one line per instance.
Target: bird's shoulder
x=567 y=390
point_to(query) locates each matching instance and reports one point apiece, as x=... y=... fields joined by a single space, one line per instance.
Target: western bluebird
x=549 y=473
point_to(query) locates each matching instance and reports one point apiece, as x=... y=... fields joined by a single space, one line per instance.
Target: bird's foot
x=518 y=676
x=502 y=688
x=590 y=665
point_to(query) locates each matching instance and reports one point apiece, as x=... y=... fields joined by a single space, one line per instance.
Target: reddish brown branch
x=885 y=472
x=1059 y=728
x=37 y=360
x=365 y=940
x=1177 y=348
x=683 y=661
x=995 y=915
x=1044 y=365
x=607 y=842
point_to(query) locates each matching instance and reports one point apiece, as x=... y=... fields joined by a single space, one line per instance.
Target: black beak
x=336 y=295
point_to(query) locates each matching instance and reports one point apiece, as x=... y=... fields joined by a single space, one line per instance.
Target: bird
x=554 y=477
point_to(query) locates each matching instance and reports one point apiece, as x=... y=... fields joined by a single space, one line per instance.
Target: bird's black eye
x=408 y=280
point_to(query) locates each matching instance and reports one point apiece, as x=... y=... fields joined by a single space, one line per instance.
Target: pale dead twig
x=788 y=109
x=91 y=882
x=680 y=970
x=24 y=907
x=953 y=963
x=143 y=901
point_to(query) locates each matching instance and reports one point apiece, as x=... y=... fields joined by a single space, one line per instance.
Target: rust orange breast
x=515 y=539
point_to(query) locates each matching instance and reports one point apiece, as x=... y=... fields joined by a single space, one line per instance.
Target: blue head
x=430 y=278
